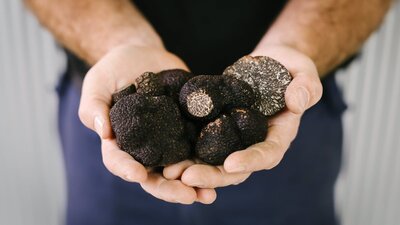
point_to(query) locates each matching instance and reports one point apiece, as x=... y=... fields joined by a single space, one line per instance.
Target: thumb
x=94 y=107
x=303 y=92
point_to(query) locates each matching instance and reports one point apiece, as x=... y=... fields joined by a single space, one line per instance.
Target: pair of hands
x=187 y=181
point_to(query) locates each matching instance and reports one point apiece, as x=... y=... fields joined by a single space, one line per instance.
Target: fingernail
x=238 y=169
x=302 y=97
x=98 y=125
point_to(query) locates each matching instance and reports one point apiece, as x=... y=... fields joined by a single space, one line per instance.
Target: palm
x=116 y=70
x=303 y=92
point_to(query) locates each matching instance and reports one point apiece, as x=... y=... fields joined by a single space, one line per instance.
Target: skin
x=298 y=39
x=84 y=27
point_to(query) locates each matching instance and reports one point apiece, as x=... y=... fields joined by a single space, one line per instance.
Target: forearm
x=90 y=28
x=327 y=31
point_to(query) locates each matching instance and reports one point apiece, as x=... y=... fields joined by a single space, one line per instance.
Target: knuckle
x=111 y=165
x=221 y=182
x=274 y=155
x=241 y=179
x=273 y=160
x=316 y=90
x=83 y=114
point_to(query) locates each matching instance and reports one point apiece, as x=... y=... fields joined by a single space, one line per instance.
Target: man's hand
x=114 y=71
x=303 y=92
x=307 y=37
x=115 y=37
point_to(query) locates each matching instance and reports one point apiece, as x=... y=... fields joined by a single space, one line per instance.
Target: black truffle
x=236 y=93
x=173 y=80
x=229 y=133
x=149 y=84
x=221 y=113
x=122 y=93
x=217 y=140
x=252 y=125
x=150 y=129
x=268 y=79
x=192 y=131
x=201 y=98
x=204 y=97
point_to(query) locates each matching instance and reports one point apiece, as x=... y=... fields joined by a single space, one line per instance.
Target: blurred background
x=32 y=183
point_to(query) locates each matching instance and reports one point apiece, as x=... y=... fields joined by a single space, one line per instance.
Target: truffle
x=268 y=79
x=150 y=129
x=122 y=93
x=200 y=97
x=192 y=131
x=217 y=140
x=229 y=133
x=237 y=93
x=174 y=112
x=252 y=125
x=150 y=84
x=173 y=80
x=204 y=97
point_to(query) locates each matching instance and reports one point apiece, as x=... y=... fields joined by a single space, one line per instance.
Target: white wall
x=368 y=192
x=32 y=185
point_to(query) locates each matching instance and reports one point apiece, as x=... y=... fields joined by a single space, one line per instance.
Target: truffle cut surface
x=268 y=79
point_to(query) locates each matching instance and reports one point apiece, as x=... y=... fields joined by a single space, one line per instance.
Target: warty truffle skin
x=204 y=97
x=122 y=93
x=252 y=124
x=173 y=80
x=149 y=84
x=268 y=79
x=236 y=93
x=217 y=140
x=150 y=129
x=230 y=132
x=166 y=82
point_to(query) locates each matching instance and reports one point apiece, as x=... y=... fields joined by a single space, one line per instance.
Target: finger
x=266 y=155
x=174 y=171
x=169 y=190
x=206 y=176
x=206 y=195
x=121 y=163
x=305 y=89
x=95 y=104
x=303 y=92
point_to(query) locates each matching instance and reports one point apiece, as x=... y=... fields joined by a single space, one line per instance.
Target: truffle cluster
x=173 y=115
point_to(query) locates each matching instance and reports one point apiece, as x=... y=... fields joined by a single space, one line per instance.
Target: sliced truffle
x=150 y=84
x=252 y=125
x=173 y=80
x=200 y=97
x=123 y=93
x=217 y=140
x=150 y=129
x=204 y=97
x=268 y=79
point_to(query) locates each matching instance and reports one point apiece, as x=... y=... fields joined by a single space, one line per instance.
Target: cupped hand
x=116 y=70
x=304 y=91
